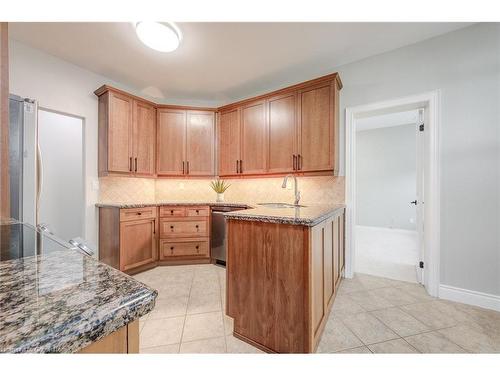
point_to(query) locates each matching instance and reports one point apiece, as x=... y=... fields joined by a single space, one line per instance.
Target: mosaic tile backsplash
x=321 y=190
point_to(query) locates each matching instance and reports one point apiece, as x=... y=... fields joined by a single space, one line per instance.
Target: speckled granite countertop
x=63 y=301
x=309 y=215
x=170 y=203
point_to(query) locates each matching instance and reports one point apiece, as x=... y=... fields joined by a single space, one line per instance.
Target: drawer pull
x=139 y=213
x=171 y=212
x=197 y=247
x=171 y=247
x=172 y=227
x=197 y=211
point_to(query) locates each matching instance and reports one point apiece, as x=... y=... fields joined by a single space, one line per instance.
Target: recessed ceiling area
x=218 y=63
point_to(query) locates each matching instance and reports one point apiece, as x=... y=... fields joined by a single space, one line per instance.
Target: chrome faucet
x=297 y=192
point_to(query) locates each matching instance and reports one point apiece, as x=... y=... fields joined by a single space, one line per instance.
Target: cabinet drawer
x=198 y=211
x=127 y=214
x=169 y=249
x=166 y=211
x=192 y=227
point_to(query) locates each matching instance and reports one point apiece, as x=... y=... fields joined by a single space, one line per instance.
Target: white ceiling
x=218 y=63
x=387 y=120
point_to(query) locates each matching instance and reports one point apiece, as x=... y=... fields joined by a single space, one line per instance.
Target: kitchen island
x=64 y=301
x=284 y=268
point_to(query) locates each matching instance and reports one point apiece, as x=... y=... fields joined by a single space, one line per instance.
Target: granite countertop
x=170 y=203
x=62 y=301
x=310 y=214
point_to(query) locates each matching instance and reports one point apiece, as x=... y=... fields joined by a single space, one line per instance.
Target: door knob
x=414 y=202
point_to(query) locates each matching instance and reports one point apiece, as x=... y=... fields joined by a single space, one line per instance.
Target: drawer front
x=183 y=228
x=198 y=211
x=169 y=249
x=170 y=211
x=127 y=214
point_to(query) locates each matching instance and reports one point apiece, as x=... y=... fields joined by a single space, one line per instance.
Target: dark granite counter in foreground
x=63 y=301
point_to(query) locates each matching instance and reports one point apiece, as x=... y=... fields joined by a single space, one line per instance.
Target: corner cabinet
x=185 y=142
x=293 y=130
x=127 y=133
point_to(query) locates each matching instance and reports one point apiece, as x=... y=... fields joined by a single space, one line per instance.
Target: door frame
x=430 y=101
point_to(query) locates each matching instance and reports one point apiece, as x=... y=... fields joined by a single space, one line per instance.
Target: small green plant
x=219 y=186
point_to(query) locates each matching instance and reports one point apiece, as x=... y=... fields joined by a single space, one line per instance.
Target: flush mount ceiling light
x=160 y=36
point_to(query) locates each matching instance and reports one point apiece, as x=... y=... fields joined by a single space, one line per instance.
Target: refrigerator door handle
x=39 y=179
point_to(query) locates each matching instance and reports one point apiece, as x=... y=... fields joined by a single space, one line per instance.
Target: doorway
x=387 y=225
x=61 y=199
x=426 y=145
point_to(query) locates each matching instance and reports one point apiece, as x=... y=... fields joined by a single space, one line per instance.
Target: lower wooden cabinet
x=123 y=341
x=282 y=280
x=135 y=239
x=184 y=234
x=128 y=238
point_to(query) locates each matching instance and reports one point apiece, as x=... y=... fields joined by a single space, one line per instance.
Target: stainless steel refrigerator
x=46 y=170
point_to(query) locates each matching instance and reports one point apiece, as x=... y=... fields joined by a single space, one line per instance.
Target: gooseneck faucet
x=297 y=192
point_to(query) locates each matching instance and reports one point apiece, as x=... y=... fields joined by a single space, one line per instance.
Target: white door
x=419 y=199
x=61 y=204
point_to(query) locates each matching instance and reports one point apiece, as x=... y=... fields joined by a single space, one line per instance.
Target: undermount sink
x=280 y=205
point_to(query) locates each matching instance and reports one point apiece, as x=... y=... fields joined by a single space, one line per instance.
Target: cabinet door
x=144 y=139
x=200 y=143
x=253 y=138
x=336 y=252
x=119 y=133
x=137 y=243
x=171 y=142
x=282 y=133
x=316 y=128
x=328 y=263
x=229 y=142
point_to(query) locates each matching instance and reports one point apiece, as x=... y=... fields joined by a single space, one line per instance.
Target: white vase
x=220 y=197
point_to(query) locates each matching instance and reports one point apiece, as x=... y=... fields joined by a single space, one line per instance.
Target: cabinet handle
x=154 y=226
x=136 y=164
x=237 y=166
x=241 y=166
x=197 y=247
x=183 y=168
x=187 y=167
x=172 y=228
x=294 y=162
x=197 y=211
x=130 y=164
x=171 y=212
x=139 y=213
x=299 y=162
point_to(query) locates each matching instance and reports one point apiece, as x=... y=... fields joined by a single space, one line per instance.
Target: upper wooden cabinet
x=253 y=139
x=185 y=142
x=293 y=130
x=126 y=135
x=229 y=142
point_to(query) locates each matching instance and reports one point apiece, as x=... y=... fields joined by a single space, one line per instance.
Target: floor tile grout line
x=185 y=316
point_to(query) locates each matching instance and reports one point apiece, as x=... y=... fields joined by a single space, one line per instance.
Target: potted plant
x=219 y=186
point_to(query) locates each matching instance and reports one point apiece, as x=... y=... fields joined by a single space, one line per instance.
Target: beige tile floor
x=370 y=315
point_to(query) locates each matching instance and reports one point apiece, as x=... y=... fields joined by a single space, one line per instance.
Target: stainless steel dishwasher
x=218 y=235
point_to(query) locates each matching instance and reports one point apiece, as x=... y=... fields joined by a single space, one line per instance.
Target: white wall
x=465 y=66
x=61 y=86
x=386 y=177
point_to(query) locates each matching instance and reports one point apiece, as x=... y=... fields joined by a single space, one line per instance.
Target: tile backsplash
x=321 y=189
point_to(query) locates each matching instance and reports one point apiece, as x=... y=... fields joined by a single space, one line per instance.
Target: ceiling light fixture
x=160 y=36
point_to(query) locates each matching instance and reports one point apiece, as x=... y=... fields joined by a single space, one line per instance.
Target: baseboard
x=470 y=297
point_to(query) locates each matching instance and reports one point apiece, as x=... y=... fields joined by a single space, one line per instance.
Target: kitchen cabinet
x=185 y=142
x=124 y=340
x=282 y=280
x=126 y=134
x=253 y=139
x=316 y=128
x=184 y=234
x=171 y=142
x=282 y=154
x=128 y=238
x=292 y=130
x=144 y=138
x=229 y=141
